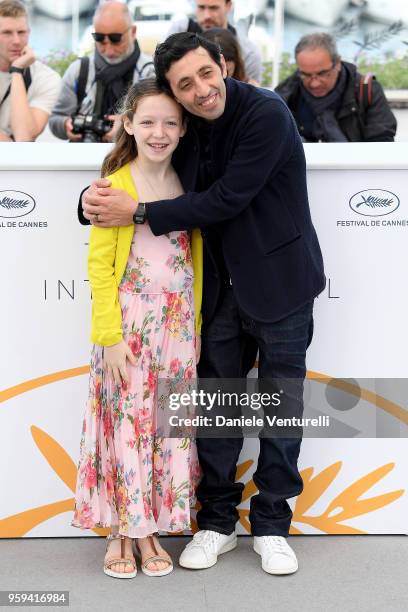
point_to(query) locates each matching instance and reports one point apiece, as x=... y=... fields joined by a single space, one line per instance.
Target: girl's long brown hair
x=125 y=149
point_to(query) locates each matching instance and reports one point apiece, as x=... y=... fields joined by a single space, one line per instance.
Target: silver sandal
x=126 y=559
x=161 y=555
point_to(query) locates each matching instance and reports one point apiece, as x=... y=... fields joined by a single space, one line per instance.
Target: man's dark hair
x=175 y=47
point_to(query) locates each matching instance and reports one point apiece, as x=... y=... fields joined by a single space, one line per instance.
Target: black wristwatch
x=140 y=215
x=16 y=69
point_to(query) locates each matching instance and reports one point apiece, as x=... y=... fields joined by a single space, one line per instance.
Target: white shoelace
x=276 y=544
x=205 y=538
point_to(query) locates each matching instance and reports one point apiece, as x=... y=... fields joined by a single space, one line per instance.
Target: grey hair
x=105 y=6
x=319 y=40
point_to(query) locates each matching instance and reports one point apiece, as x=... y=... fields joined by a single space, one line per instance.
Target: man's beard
x=121 y=58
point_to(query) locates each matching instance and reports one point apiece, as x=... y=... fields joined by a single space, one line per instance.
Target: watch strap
x=139 y=216
x=16 y=69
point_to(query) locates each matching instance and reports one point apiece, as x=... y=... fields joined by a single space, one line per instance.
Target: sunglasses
x=115 y=38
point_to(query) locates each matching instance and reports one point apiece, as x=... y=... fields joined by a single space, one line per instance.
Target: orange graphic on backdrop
x=34 y=383
x=343 y=507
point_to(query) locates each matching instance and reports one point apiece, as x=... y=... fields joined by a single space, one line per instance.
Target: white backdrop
x=360 y=332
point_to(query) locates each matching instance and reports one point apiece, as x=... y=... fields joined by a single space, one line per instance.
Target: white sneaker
x=204 y=548
x=277 y=556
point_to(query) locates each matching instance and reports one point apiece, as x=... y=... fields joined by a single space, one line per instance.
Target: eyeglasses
x=115 y=38
x=322 y=74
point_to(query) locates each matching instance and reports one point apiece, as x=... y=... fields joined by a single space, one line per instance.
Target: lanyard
x=6 y=95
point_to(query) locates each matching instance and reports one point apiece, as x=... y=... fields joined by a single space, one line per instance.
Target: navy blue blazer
x=258 y=202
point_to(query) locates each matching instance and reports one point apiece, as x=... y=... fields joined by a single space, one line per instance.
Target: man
x=93 y=89
x=28 y=88
x=331 y=101
x=214 y=14
x=243 y=170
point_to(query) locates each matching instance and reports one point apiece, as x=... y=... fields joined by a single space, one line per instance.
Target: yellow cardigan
x=108 y=254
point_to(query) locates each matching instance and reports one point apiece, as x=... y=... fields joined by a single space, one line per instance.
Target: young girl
x=144 y=328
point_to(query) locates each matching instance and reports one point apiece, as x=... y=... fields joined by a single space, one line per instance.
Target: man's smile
x=210 y=101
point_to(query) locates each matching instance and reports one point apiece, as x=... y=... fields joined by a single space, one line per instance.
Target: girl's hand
x=114 y=359
x=198 y=348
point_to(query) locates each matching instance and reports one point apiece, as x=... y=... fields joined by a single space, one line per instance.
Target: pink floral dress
x=128 y=476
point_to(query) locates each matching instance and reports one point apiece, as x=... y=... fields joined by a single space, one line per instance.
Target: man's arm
x=252 y=59
x=66 y=104
x=264 y=146
x=380 y=123
x=28 y=117
x=5 y=138
x=26 y=123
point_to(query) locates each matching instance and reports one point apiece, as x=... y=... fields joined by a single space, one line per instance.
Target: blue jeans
x=227 y=342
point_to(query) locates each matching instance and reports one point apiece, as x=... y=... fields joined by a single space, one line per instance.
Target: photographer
x=85 y=110
x=330 y=100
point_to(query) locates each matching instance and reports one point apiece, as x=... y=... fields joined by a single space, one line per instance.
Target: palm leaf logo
x=345 y=506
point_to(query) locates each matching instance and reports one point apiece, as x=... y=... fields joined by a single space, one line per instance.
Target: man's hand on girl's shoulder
x=107 y=207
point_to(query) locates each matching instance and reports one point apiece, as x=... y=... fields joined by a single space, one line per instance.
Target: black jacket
x=358 y=121
x=258 y=203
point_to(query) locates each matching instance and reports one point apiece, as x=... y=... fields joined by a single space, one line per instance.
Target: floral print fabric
x=129 y=476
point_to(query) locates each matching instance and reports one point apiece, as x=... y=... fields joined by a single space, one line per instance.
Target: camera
x=91 y=126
